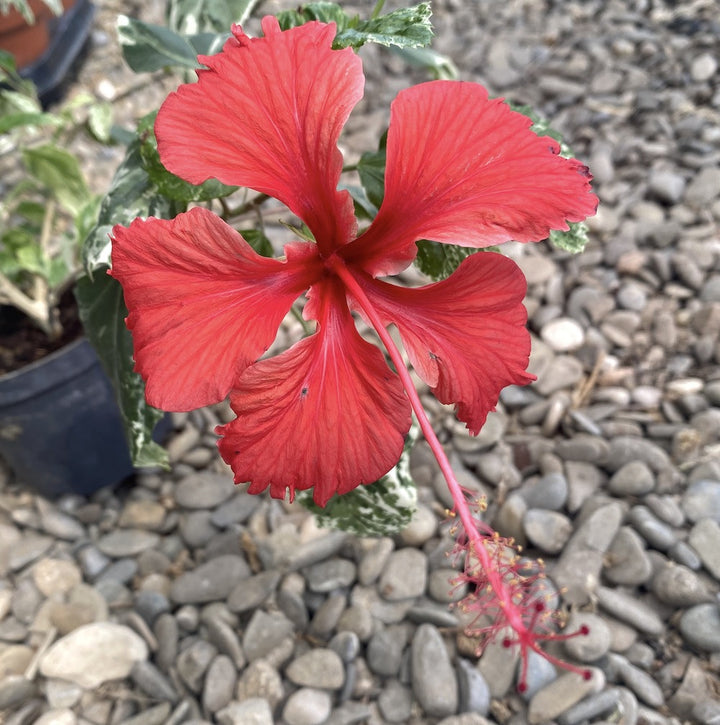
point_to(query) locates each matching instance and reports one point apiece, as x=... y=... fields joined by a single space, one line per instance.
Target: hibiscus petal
x=465 y=336
x=202 y=304
x=327 y=413
x=467 y=170
x=267 y=114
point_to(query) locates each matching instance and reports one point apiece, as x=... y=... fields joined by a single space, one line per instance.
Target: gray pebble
x=211 y=581
x=320 y=667
x=385 y=649
x=316 y=550
x=27 y=549
x=473 y=691
x=667 y=186
x=684 y=554
x=585 y=448
x=395 y=702
x=152 y=682
x=196 y=529
x=705 y=539
x=679 y=586
x=223 y=635
x=658 y=534
x=253 y=591
x=264 y=632
x=630 y=610
x=624 y=449
x=627 y=561
x=374 y=560
x=92 y=561
x=641 y=683
x=329 y=575
x=261 y=680
x=540 y=672
x=602 y=703
x=548 y=530
x=443 y=585
x=701 y=500
x=405 y=575
x=15 y=690
x=560 y=695
x=235 y=511
x=346 y=644
x=548 y=492
x=254 y=711
x=204 y=490
x=127 y=542
x=220 y=682
x=307 y=706
x=592 y=646
x=292 y=605
x=633 y=479
x=165 y=630
x=700 y=627
x=433 y=678
x=193 y=661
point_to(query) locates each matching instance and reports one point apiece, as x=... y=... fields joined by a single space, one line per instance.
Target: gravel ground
x=182 y=599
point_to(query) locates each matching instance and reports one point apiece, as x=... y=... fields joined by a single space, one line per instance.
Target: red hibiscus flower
x=330 y=413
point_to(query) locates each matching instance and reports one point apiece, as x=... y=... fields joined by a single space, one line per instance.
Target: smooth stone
x=704 y=186
x=59 y=524
x=385 y=650
x=292 y=605
x=57 y=716
x=539 y=674
x=473 y=691
x=15 y=690
x=211 y=581
x=261 y=680
x=700 y=627
x=657 y=533
x=150 y=605
x=563 y=334
x=235 y=511
x=204 y=490
x=27 y=549
x=548 y=530
x=165 y=629
x=592 y=707
x=121 y=571
x=701 y=500
x=667 y=186
x=584 y=448
x=630 y=610
x=395 y=702
x=319 y=667
x=705 y=539
x=624 y=449
x=327 y=615
x=220 y=682
x=564 y=372
x=253 y=591
x=346 y=644
x=55 y=576
x=307 y=706
x=641 y=683
x=127 y=542
x=93 y=654
x=374 y=560
x=92 y=561
x=196 y=529
x=193 y=662
x=152 y=682
x=561 y=694
x=591 y=646
x=405 y=575
x=357 y=620
x=703 y=67
x=157 y=715
x=445 y=587
x=626 y=560
x=548 y=492
x=264 y=632
x=142 y=514
x=433 y=678
x=679 y=586
x=253 y=711
x=326 y=576
x=633 y=479
x=14 y=659
x=498 y=664
x=315 y=550
x=421 y=528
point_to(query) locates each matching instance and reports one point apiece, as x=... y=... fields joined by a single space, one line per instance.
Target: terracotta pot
x=26 y=42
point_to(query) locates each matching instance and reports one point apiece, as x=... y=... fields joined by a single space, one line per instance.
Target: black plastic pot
x=60 y=427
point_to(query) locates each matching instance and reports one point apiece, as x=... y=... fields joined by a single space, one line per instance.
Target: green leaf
x=208 y=43
x=363 y=206
x=382 y=508
x=258 y=241
x=190 y=17
x=100 y=121
x=574 y=240
x=148 y=47
x=131 y=195
x=169 y=185
x=15 y=120
x=371 y=169
x=439 y=66
x=60 y=172
x=102 y=311
x=439 y=261
x=404 y=28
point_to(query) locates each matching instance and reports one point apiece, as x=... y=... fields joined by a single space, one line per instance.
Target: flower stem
x=499 y=588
